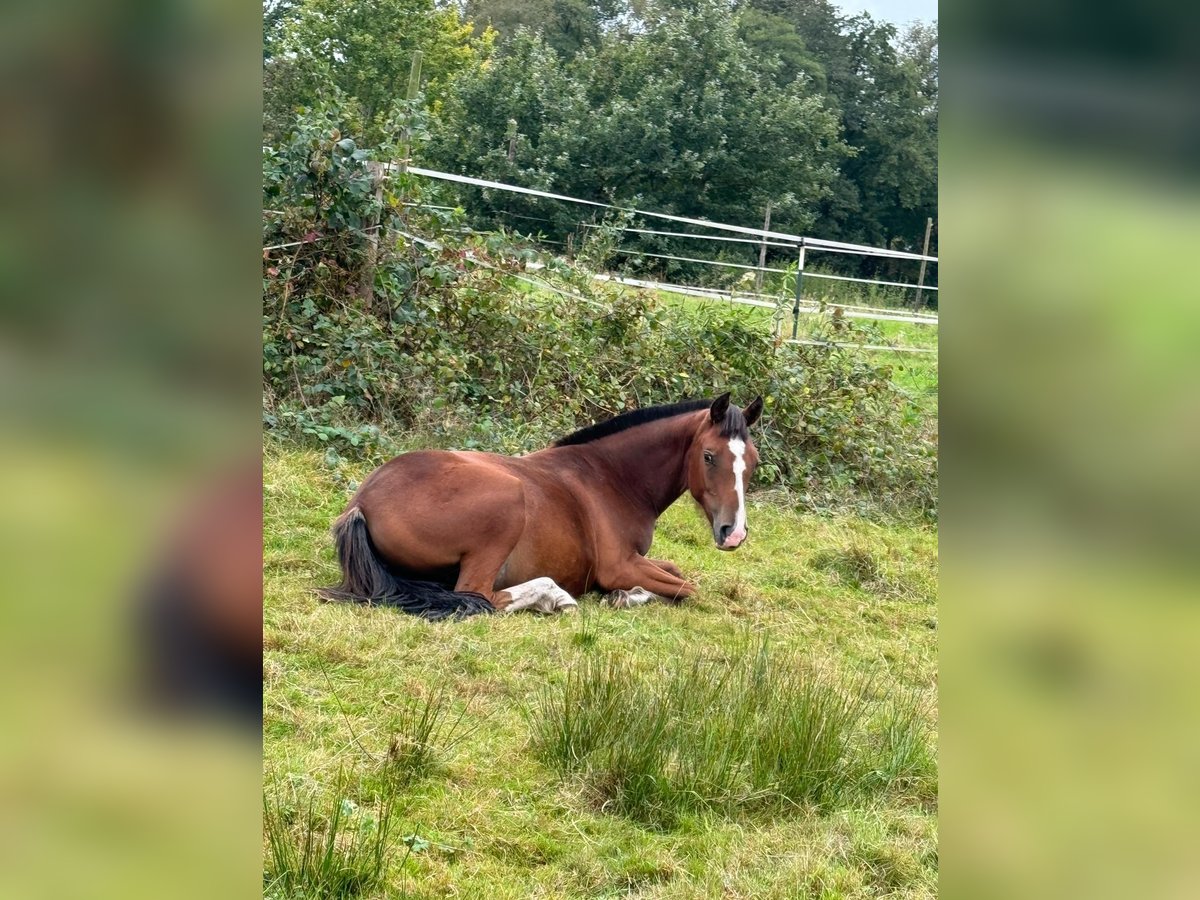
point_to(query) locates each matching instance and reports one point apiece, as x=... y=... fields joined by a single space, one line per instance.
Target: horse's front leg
x=667 y=566
x=647 y=574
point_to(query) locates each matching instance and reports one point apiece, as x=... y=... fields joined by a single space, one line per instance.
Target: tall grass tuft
x=323 y=845
x=423 y=730
x=752 y=730
x=584 y=714
x=854 y=565
x=902 y=757
x=586 y=635
x=802 y=743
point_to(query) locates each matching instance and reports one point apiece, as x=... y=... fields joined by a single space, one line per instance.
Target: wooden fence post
x=762 y=252
x=921 y=277
x=366 y=283
x=799 y=289
x=512 y=140
x=414 y=85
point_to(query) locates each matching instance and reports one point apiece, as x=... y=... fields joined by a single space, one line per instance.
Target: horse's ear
x=753 y=411
x=719 y=407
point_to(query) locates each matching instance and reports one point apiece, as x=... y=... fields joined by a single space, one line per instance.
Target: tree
x=887 y=95
x=364 y=48
x=567 y=26
x=686 y=119
x=706 y=108
x=772 y=35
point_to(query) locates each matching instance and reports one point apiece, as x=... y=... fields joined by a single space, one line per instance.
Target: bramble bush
x=454 y=346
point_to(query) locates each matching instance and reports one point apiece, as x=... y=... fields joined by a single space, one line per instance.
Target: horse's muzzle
x=729 y=539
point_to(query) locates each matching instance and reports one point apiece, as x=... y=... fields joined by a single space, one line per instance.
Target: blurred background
x=129 y=472
x=130 y=410
x=1071 y=431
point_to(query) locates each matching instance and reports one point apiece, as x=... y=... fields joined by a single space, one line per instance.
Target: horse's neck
x=648 y=463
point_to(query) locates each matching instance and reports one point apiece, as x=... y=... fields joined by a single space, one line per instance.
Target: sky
x=896 y=11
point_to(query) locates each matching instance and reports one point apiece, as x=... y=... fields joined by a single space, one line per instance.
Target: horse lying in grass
x=444 y=533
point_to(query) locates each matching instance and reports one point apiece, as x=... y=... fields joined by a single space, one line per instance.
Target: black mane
x=734 y=425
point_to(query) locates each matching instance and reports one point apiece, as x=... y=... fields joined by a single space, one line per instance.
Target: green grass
x=745 y=731
x=489 y=807
x=322 y=843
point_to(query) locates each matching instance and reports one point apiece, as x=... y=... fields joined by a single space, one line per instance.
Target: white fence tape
x=807 y=272
x=841 y=345
x=813 y=243
x=700 y=237
x=807 y=307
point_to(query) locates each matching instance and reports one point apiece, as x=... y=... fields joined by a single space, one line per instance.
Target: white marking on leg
x=738 y=448
x=540 y=595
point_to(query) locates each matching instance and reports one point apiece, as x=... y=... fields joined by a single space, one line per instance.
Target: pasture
x=433 y=746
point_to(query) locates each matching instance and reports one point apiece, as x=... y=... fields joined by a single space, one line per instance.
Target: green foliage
x=599 y=242
x=887 y=96
x=774 y=36
x=451 y=343
x=566 y=25
x=364 y=49
x=679 y=119
x=746 y=731
x=706 y=109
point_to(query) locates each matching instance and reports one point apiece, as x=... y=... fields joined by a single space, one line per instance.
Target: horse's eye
x=708 y=457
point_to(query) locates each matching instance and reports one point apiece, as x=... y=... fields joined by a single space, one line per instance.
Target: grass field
x=352 y=695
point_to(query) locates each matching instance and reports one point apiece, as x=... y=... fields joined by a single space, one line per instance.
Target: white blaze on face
x=738 y=448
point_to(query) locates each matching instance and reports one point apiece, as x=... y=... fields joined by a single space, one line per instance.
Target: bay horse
x=442 y=533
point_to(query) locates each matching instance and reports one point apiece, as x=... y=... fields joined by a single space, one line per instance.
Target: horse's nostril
x=723 y=532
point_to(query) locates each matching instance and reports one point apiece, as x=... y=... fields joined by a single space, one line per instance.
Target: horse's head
x=720 y=464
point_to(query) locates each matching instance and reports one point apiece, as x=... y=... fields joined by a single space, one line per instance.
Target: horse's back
x=426 y=509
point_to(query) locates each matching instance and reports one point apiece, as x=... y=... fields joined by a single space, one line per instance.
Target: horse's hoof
x=563 y=601
x=635 y=596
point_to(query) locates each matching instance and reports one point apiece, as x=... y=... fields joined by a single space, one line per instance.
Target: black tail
x=366 y=579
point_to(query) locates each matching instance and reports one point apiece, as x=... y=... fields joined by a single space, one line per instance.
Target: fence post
x=366 y=284
x=921 y=277
x=762 y=252
x=799 y=290
x=414 y=85
x=512 y=140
